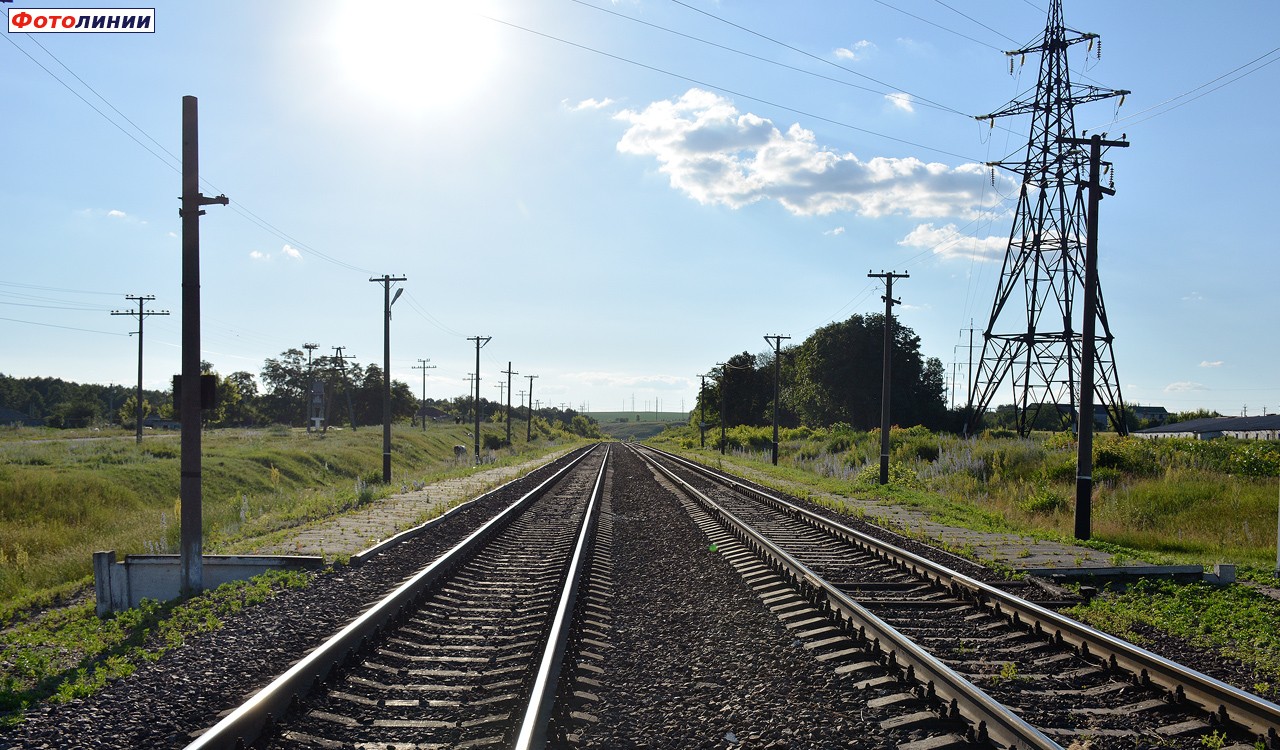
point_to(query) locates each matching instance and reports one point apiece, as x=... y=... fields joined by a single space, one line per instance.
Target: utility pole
x=191 y=544
x=141 y=315
x=889 y=302
x=968 y=406
x=1032 y=336
x=702 y=418
x=387 y=301
x=509 y=372
x=480 y=343
x=1084 y=454
x=528 y=436
x=341 y=359
x=422 y=365
x=724 y=372
x=306 y=390
x=777 y=355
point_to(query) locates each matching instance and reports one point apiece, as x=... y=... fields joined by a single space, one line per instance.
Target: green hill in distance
x=636 y=425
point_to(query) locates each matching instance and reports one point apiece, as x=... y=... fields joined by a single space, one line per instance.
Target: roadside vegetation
x=66 y=494
x=1168 y=501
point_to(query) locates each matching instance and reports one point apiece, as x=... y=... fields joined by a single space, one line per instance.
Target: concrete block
x=123 y=585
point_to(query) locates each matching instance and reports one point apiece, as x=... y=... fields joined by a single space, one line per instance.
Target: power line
x=980 y=23
x=893 y=91
x=69 y=328
x=732 y=92
x=1192 y=91
x=822 y=60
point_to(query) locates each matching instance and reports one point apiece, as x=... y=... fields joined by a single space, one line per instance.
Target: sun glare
x=413 y=57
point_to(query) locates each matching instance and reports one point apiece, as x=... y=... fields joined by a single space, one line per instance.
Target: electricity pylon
x=1044 y=264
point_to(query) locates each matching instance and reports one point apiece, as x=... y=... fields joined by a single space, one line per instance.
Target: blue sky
x=619 y=206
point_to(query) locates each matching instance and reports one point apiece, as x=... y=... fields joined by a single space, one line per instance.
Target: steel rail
x=243 y=726
x=533 y=727
x=1000 y=725
x=1226 y=703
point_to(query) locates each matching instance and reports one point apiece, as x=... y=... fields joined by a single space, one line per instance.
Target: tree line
x=279 y=394
x=834 y=376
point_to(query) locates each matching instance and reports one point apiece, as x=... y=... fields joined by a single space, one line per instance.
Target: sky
x=623 y=194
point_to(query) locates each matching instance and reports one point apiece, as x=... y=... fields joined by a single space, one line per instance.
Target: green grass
x=1171 y=501
x=69 y=652
x=61 y=500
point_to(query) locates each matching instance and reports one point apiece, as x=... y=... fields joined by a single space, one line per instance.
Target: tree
x=128 y=412
x=837 y=376
x=285 y=384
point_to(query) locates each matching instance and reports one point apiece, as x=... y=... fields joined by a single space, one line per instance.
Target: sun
x=413 y=57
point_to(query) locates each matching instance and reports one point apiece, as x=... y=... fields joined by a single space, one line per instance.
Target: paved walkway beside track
x=347 y=534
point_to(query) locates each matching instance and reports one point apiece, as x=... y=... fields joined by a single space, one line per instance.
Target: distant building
x=15 y=417
x=1245 y=428
x=160 y=423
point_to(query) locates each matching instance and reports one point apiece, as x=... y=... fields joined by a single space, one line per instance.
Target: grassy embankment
x=62 y=499
x=1167 y=501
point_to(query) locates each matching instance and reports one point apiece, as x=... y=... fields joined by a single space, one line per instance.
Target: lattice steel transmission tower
x=1034 y=333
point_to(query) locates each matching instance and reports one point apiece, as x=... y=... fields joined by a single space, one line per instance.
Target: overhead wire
x=726 y=90
x=893 y=92
x=816 y=57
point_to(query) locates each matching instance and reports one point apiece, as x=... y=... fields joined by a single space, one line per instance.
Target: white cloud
x=592 y=103
x=717 y=155
x=901 y=101
x=949 y=243
x=1184 y=386
x=859 y=50
x=1206 y=363
x=834 y=232
x=291 y=252
x=113 y=213
x=256 y=255
x=1193 y=297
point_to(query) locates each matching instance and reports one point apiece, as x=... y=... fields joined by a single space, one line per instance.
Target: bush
x=1043 y=499
x=494 y=442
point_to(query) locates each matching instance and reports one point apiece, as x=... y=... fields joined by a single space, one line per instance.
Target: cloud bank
x=719 y=156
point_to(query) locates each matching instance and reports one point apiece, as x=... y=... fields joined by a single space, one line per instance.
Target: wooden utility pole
x=481 y=341
x=509 y=372
x=528 y=436
x=889 y=302
x=387 y=301
x=422 y=365
x=308 y=392
x=141 y=315
x=777 y=355
x=1084 y=451
x=191 y=539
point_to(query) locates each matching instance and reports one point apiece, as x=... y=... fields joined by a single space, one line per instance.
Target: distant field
x=606 y=417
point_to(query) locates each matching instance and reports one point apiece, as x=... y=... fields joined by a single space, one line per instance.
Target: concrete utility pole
x=889 y=302
x=1084 y=454
x=509 y=372
x=777 y=355
x=702 y=418
x=422 y=365
x=142 y=314
x=481 y=341
x=528 y=436
x=387 y=301
x=191 y=544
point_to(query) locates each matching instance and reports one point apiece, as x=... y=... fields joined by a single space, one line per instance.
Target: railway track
x=957 y=661
x=466 y=653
